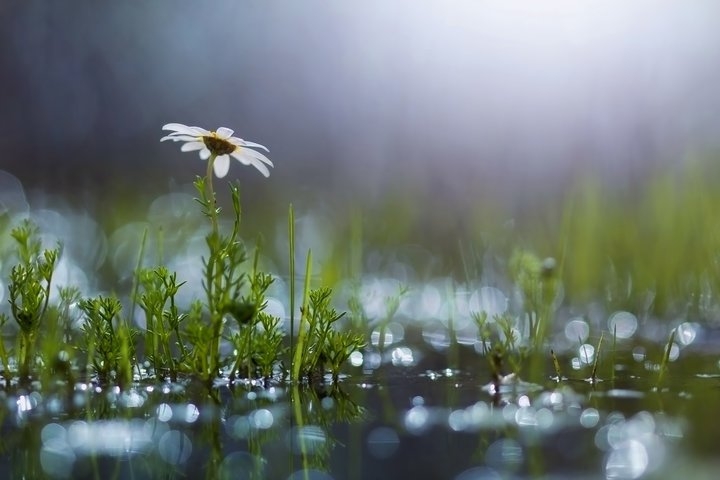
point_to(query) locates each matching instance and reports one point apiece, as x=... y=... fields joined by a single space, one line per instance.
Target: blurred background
x=431 y=121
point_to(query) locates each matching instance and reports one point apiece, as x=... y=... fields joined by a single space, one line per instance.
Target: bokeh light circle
x=623 y=324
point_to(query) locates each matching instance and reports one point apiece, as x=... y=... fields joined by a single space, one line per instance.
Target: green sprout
x=107 y=339
x=163 y=320
x=29 y=289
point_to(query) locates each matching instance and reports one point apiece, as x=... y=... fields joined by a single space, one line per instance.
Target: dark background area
x=443 y=105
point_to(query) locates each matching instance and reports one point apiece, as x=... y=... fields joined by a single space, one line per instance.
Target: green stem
x=26 y=353
x=5 y=362
x=212 y=276
x=211 y=193
x=299 y=421
x=299 y=355
x=291 y=241
x=136 y=276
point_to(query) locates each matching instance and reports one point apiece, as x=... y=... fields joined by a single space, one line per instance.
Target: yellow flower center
x=217 y=145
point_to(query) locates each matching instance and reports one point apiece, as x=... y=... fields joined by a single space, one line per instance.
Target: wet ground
x=407 y=412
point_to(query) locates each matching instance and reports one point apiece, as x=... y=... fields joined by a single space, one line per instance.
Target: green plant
x=163 y=319
x=108 y=341
x=319 y=346
x=29 y=289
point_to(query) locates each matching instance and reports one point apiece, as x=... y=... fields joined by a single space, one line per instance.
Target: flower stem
x=211 y=194
x=213 y=271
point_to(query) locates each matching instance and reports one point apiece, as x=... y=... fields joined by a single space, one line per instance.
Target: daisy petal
x=244 y=143
x=224 y=133
x=181 y=129
x=240 y=156
x=221 y=166
x=257 y=156
x=249 y=160
x=192 y=146
x=263 y=169
x=204 y=154
x=176 y=137
x=254 y=145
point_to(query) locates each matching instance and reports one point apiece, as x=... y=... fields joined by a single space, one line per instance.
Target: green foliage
x=539 y=282
x=176 y=341
x=338 y=348
x=321 y=346
x=108 y=340
x=224 y=278
x=159 y=288
x=29 y=290
x=500 y=342
x=4 y=355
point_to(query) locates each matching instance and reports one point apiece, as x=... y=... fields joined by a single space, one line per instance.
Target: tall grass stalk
x=298 y=355
x=556 y=365
x=593 y=375
x=291 y=243
x=614 y=350
x=136 y=276
x=665 y=358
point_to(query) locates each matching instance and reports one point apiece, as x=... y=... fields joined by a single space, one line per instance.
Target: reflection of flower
x=220 y=144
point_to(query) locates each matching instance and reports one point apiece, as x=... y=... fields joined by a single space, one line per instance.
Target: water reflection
x=401 y=423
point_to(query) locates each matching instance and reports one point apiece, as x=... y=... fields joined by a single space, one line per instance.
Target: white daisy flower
x=220 y=143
